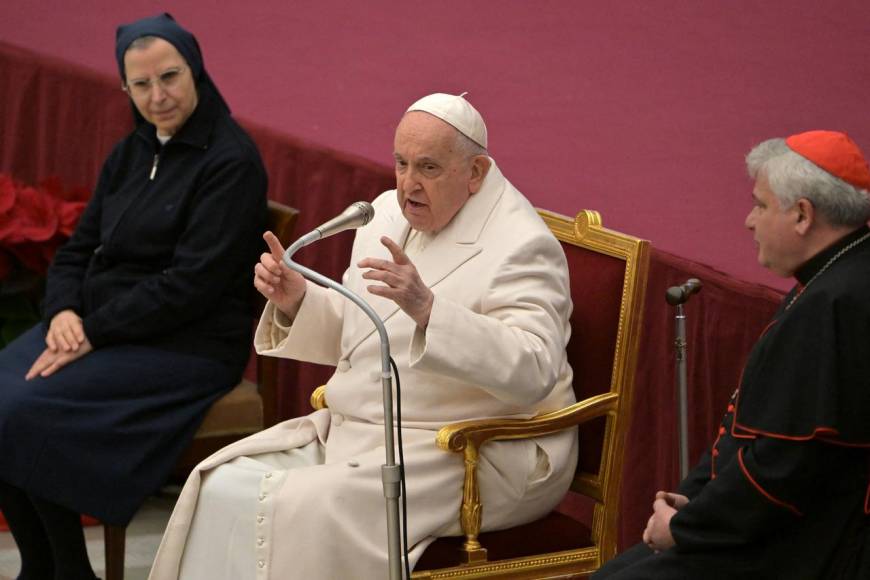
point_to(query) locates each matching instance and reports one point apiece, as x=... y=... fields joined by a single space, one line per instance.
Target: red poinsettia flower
x=35 y=221
x=31 y=219
x=68 y=214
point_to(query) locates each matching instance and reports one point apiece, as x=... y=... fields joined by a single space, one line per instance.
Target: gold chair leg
x=472 y=511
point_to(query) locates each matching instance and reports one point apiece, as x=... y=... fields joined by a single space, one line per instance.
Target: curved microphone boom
x=679 y=294
x=357 y=214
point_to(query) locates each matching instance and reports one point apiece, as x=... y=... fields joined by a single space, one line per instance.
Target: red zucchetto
x=834 y=152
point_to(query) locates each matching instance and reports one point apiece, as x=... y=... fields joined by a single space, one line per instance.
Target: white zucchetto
x=456 y=111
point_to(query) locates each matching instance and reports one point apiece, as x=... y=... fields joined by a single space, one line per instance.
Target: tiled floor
x=143 y=537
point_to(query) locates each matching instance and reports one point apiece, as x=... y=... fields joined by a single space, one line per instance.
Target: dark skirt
x=104 y=432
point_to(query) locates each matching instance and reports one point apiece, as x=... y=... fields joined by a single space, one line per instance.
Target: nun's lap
x=114 y=373
x=104 y=431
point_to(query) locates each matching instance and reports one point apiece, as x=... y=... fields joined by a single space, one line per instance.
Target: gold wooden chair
x=248 y=408
x=608 y=282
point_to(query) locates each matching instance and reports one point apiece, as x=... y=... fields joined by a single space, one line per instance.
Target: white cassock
x=304 y=499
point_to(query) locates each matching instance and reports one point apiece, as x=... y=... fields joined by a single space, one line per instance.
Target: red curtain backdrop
x=640 y=109
x=61 y=120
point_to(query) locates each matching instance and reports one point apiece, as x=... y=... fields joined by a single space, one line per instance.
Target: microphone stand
x=682 y=388
x=677 y=296
x=390 y=472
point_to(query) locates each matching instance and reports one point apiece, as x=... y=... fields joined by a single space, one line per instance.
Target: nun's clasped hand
x=402 y=283
x=65 y=332
x=51 y=361
x=65 y=342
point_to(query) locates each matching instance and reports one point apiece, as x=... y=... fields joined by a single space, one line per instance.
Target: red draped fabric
x=57 y=119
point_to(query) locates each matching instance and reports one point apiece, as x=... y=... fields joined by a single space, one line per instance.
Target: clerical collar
x=806 y=272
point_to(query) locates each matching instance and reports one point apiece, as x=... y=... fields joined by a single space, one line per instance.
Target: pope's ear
x=806 y=215
x=480 y=165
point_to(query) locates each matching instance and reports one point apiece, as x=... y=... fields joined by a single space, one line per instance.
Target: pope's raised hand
x=402 y=283
x=283 y=287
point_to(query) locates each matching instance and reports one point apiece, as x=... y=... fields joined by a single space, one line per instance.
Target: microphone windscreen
x=674 y=295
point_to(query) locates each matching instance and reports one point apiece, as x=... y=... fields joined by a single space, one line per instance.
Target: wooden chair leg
x=115 y=539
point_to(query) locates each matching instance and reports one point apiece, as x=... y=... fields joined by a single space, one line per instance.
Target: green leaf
x=11 y=329
x=18 y=307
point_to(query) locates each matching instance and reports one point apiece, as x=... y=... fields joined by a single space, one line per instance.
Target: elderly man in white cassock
x=473 y=290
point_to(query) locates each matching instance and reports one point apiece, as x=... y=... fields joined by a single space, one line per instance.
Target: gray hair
x=792 y=177
x=466 y=147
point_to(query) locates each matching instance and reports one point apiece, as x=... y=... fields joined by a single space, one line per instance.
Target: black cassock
x=783 y=491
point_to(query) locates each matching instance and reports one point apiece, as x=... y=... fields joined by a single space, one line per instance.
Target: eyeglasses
x=167 y=81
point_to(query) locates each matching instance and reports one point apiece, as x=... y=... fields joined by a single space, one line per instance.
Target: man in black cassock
x=783 y=491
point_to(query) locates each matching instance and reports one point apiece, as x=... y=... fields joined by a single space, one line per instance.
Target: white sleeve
x=313 y=336
x=514 y=348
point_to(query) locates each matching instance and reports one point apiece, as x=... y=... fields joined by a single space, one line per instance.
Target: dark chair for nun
x=608 y=283
x=248 y=408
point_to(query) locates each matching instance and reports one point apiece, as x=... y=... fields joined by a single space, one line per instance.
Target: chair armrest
x=466 y=437
x=456 y=436
x=318 y=398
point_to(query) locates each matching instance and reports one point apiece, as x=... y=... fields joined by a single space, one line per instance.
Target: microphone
x=679 y=294
x=356 y=215
x=359 y=214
